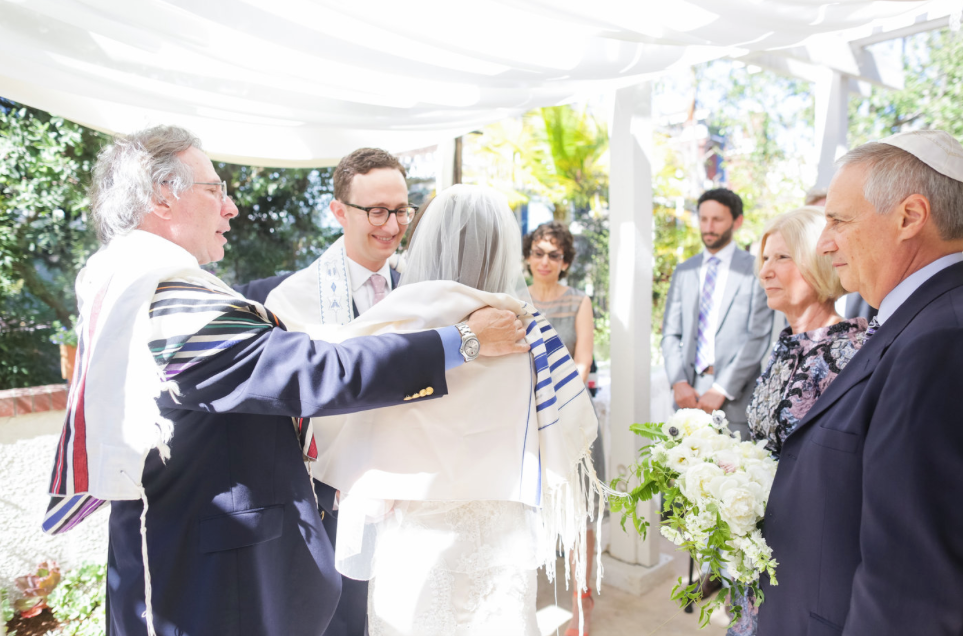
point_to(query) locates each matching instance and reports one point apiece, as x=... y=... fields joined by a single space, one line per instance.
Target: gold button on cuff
x=429 y=391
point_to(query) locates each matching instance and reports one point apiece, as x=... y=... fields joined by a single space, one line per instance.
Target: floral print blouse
x=800 y=368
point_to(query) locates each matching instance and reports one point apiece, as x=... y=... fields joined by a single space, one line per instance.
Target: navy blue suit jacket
x=866 y=512
x=350 y=617
x=235 y=542
x=258 y=290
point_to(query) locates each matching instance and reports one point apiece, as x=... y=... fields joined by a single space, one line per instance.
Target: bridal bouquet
x=714 y=489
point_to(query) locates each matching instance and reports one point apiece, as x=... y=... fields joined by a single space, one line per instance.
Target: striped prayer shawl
x=191 y=320
x=554 y=369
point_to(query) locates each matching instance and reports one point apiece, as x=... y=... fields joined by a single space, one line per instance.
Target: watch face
x=472 y=347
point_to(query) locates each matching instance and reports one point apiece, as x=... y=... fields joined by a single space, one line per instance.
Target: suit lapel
x=867 y=358
x=692 y=292
x=737 y=275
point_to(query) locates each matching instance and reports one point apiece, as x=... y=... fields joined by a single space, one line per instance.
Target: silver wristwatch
x=469 y=342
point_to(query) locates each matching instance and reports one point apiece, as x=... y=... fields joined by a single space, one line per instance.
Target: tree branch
x=35 y=284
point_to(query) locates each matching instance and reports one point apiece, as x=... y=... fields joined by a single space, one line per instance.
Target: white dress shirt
x=358 y=276
x=911 y=283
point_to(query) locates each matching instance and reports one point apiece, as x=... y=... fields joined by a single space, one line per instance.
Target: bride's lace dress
x=455 y=568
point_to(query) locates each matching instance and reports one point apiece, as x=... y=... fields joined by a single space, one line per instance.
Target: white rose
x=753 y=450
x=680 y=458
x=729 y=459
x=685 y=422
x=699 y=446
x=720 y=485
x=695 y=485
x=738 y=509
x=760 y=473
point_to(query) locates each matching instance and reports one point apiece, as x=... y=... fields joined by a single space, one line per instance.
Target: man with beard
x=717 y=323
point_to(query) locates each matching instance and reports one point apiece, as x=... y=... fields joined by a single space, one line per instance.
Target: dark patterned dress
x=799 y=370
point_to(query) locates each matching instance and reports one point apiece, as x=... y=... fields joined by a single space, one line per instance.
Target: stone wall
x=28 y=438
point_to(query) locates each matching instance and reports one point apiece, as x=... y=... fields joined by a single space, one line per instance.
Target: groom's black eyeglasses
x=379 y=216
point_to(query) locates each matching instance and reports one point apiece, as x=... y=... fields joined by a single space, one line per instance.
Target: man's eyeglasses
x=222 y=184
x=552 y=256
x=378 y=216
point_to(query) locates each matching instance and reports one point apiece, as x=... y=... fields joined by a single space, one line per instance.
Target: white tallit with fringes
x=514 y=428
x=319 y=293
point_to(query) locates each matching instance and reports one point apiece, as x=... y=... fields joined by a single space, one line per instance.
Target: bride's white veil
x=469 y=235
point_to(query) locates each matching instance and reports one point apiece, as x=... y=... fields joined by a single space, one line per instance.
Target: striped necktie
x=871 y=330
x=705 y=308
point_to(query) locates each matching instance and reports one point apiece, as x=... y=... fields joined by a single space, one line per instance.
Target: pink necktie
x=379 y=286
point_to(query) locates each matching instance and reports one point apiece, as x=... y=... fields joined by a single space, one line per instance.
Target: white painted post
x=630 y=254
x=446 y=164
x=832 y=122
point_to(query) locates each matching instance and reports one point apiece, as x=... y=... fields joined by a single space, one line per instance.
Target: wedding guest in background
x=717 y=325
x=810 y=352
x=864 y=513
x=549 y=251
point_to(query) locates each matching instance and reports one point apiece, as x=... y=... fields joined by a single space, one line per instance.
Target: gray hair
x=895 y=174
x=129 y=174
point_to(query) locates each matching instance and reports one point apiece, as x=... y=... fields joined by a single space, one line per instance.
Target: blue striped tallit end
x=64 y=513
x=554 y=370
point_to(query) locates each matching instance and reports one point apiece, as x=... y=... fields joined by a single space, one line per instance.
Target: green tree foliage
x=768 y=124
x=932 y=96
x=283 y=222
x=764 y=127
x=45 y=163
x=572 y=163
x=558 y=154
x=676 y=233
x=45 y=168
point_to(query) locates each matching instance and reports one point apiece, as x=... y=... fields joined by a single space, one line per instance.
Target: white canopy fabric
x=303 y=82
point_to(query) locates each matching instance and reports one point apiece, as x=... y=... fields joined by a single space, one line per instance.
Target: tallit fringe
x=564 y=514
x=165 y=426
x=148 y=614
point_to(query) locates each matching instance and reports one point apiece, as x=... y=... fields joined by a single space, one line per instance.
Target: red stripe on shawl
x=313 y=449
x=80 y=423
x=60 y=462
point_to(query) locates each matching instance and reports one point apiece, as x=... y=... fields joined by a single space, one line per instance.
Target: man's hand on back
x=499 y=332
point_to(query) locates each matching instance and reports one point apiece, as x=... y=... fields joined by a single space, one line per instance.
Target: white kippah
x=936 y=148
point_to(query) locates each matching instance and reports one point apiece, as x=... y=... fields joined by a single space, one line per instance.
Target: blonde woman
x=810 y=352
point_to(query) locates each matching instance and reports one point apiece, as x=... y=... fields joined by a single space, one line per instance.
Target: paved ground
x=618 y=613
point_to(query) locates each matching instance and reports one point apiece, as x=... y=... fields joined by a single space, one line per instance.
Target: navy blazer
x=235 y=543
x=350 y=617
x=258 y=290
x=865 y=517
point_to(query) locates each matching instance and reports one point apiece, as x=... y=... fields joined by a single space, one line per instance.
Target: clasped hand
x=499 y=332
x=687 y=398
